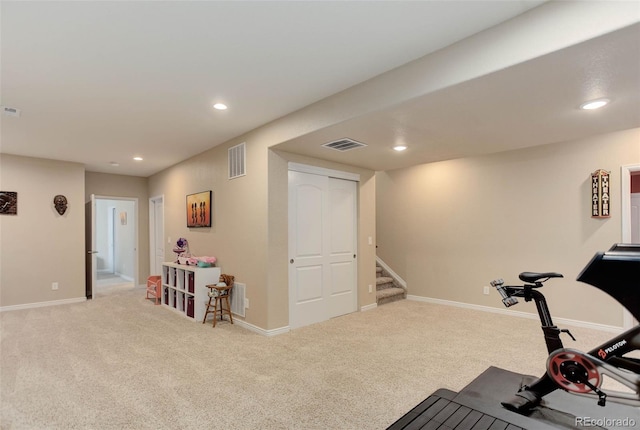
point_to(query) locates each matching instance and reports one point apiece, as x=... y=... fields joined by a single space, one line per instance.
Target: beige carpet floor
x=119 y=362
x=108 y=283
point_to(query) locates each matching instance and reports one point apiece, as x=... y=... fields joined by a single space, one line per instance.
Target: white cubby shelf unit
x=184 y=288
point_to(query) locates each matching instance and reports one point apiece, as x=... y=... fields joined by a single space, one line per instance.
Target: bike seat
x=535 y=276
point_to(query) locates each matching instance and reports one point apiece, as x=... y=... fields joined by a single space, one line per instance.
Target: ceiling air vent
x=345 y=144
x=237 y=161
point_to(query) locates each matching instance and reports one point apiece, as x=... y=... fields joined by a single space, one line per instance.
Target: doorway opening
x=114 y=247
x=630 y=197
x=630 y=216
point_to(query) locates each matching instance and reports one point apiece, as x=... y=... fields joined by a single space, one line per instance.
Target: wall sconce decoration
x=600 y=194
x=60 y=202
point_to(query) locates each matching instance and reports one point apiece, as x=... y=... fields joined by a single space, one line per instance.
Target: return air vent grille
x=345 y=144
x=237 y=161
x=238 y=296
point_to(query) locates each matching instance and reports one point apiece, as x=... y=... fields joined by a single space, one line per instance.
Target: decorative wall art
x=600 y=194
x=60 y=202
x=199 y=209
x=8 y=203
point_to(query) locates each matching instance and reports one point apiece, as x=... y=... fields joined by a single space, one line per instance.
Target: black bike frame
x=551 y=332
x=611 y=351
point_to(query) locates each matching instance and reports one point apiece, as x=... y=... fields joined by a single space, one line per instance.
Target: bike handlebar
x=507 y=300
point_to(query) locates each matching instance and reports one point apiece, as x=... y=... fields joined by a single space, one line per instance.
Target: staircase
x=387 y=289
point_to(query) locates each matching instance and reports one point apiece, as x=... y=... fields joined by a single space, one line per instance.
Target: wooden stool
x=154 y=287
x=218 y=294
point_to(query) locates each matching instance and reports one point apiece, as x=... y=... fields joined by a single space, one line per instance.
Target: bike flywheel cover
x=571 y=370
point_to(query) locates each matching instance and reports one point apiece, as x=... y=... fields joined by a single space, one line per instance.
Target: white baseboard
x=261 y=331
x=368 y=307
x=564 y=321
x=391 y=272
x=42 y=304
x=285 y=329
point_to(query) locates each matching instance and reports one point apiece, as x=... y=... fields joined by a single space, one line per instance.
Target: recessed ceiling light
x=400 y=147
x=594 y=104
x=114 y=163
x=220 y=106
x=137 y=158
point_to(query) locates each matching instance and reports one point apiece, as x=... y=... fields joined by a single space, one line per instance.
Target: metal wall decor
x=8 y=203
x=600 y=194
x=60 y=202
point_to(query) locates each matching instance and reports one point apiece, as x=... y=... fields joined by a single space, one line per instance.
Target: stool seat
x=219 y=294
x=154 y=286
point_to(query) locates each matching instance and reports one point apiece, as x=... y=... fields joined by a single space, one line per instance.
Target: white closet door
x=342 y=247
x=322 y=237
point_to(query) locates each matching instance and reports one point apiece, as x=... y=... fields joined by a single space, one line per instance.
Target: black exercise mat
x=477 y=407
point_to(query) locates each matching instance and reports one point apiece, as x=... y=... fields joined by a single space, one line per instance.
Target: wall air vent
x=237 y=161
x=238 y=298
x=10 y=111
x=345 y=144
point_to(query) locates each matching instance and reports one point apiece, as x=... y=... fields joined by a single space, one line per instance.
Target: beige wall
x=237 y=237
x=249 y=227
x=449 y=228
x=115 y=186
x=38 y=246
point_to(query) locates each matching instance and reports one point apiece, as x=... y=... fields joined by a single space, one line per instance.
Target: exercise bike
x=617 y=273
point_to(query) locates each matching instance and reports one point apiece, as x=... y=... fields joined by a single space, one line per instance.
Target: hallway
x=109 y=283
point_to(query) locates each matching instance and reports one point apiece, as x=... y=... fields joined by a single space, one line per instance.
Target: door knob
x=291 y=261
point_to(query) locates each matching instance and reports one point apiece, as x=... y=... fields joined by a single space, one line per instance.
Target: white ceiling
x=98 y=82
x=532 y=103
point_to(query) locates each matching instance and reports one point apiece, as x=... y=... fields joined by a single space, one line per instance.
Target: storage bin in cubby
x=190 y=306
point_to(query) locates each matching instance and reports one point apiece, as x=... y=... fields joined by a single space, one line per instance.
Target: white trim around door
x=625 y=213
x=156 y=234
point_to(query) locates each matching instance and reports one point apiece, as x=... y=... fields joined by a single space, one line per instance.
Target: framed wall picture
x=8 y=203
x=199 y=209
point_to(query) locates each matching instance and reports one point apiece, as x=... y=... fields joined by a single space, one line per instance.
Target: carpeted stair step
x=387 y=289
x=389 y=295
x=383 y=283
